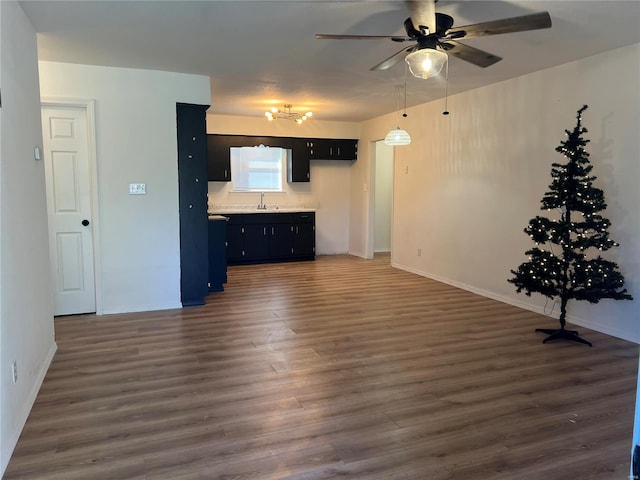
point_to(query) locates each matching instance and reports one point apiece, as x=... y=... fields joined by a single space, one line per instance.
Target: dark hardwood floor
x=338 y=368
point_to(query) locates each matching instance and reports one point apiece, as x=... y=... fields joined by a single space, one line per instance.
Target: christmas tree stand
x=562 y=334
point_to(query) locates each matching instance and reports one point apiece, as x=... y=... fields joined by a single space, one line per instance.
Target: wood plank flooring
x=341 y=368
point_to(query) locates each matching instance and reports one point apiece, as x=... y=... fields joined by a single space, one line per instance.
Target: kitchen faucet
x=262 y=205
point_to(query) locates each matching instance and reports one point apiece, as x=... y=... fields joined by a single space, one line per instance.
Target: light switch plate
x=137 y=189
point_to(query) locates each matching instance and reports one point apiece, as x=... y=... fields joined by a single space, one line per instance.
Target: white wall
x=476 y=177
x=26 y=308
x=136 y=143
x=328 y=192
x=383 y=197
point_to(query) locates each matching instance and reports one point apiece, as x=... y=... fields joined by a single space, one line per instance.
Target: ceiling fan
x=435 y=37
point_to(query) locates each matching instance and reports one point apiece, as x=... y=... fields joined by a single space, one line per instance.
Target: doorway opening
x=383 y=199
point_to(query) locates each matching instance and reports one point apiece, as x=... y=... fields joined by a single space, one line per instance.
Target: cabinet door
x=235 y=242
x=345 y=149
x=319 y=148
x=192 y=196
x=280 y=240
x=256 y=241
x=217 y=254
x=218 y=158
x=298 y=167
x=304 y=240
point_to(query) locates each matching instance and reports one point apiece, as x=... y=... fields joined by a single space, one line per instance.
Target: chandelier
x=276 y=113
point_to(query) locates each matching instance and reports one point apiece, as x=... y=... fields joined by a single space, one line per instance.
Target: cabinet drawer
x=304 y=217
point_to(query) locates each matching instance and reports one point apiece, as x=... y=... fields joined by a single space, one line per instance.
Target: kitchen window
x=258 y=169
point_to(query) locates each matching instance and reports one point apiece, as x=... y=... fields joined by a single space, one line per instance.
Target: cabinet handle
x=307 y=174
x=189 y=156
x=296 y=229
x=243 y=253
x=264 y=231
x=242 y=229
x=225 y=174
x=338 y=151
x=272 y=231
x=331 y=151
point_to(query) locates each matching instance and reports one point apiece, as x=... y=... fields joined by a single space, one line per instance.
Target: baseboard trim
x=23 y=414
x=524 y=305
x=141 y=308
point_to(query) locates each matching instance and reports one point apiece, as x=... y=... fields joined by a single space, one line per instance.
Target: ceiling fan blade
x=395 y=38
x=470 y=54
x=395 y=58
x=423 y=13
x=535 y=21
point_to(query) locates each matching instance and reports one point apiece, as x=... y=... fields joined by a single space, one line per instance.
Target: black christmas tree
x=565 y=263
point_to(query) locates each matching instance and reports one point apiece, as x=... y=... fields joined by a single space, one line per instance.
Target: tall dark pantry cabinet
x=192 y=184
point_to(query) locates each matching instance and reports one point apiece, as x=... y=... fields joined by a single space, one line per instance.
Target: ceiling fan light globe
x=426 y=63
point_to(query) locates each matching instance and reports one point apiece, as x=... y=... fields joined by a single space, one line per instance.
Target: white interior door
x=66 y=156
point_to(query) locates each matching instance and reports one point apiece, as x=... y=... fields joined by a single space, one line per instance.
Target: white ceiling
x=263 y=53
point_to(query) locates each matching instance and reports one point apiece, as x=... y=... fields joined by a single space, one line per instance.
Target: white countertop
x=221 y=210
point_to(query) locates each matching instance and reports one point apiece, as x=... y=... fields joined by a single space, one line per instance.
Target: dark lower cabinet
x=235 y=238
x=270 y=237
x=304 y=235
x=255 y=241
x=192 y=185
x=217 y=253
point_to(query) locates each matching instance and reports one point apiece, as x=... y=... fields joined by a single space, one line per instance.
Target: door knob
x=85 y=222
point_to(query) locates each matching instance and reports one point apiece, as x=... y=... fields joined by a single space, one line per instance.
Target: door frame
x=370 y=228
x=89 y=107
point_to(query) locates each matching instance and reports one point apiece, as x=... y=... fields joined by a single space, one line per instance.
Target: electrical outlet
x=14 y=371
x=137 y=189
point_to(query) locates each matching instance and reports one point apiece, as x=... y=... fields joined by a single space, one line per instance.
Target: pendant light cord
x=446 y=90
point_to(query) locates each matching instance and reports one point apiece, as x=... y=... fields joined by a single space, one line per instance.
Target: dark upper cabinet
x=346 y=149
x=298 y=166
x=332 y=149
x=192 y=197
x=218 y=158
x=302 y=151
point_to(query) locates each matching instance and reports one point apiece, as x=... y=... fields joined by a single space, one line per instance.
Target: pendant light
x=398 y=136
